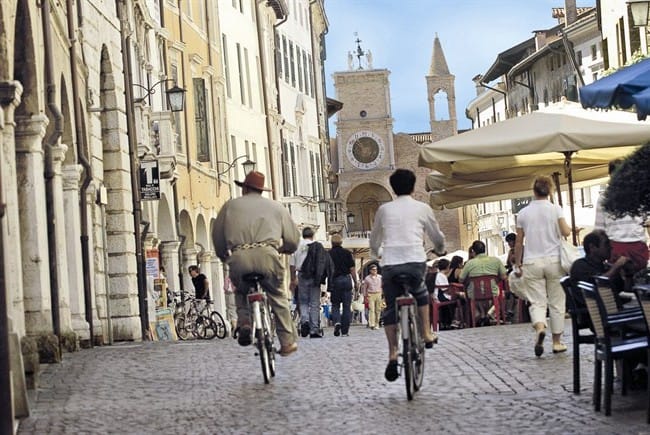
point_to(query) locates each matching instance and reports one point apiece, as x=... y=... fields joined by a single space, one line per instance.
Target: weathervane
x=359 y=53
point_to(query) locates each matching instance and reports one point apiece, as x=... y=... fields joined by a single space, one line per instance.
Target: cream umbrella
x=558 y=141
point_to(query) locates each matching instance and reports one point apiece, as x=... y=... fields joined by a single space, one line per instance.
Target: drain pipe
x=133 y=154
x=82 y=159
x=181 y=237
x=49 y=170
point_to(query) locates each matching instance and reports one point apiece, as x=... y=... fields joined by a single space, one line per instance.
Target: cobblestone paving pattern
x=477 y=381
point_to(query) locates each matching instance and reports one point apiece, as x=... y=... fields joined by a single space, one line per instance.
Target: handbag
x=516 y=285
x=568 y=254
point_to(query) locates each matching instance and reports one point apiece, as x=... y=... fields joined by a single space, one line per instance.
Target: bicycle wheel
x=268 y=320
x=264 y=355
x=407 y=360
x=417 y=353
x=219 y=323
x=179 y=324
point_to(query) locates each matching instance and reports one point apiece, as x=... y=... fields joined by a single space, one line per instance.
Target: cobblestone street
x=483 y=380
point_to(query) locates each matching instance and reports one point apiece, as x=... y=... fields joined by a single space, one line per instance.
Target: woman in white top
x=541 y=224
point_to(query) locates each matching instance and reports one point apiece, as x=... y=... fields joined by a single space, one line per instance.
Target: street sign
x=149 y=180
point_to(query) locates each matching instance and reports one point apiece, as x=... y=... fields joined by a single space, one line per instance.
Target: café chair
x=611 y=343
x=481 y=292
x=580 y=321
x=643 y=296
x=436 y=304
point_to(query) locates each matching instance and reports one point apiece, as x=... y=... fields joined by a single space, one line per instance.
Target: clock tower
x=365 y=155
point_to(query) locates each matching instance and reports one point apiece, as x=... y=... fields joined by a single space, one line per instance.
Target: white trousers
x=541 y=280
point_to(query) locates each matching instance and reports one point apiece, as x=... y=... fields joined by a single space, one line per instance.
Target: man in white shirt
x=399 y=229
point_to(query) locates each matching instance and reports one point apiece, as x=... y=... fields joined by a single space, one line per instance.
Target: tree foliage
x=629 y=187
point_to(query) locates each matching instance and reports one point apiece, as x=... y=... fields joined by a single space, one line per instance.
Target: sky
x=400 y=35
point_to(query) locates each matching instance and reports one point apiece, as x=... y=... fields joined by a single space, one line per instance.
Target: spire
x=438 y=62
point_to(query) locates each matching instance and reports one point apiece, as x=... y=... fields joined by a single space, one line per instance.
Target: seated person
x=597 y=251
x=482 y=264
x=445 y=293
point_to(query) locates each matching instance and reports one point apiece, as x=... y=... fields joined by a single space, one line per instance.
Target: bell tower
x=440 y=87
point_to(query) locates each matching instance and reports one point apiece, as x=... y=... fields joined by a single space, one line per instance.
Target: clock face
x=365 y=149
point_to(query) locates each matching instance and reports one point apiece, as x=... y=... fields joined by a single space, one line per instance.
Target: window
x=293 y=65
x=579 y=57
x=294 y=177
x=311 y=75
x=594 y=52
x=253 y=157
x=224 y=43
x=201 y=120
x=319 y=176
x=585 y=197
x=285 y=56
x=233 y=148
x=177 y=115
x=299 y=59
x=314 y=175
x=278 y=55
x=305 y=72
x=248 y=78
x=285 y=169
x=242 y=88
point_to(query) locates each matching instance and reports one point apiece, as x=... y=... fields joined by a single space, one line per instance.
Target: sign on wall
x=149 y=180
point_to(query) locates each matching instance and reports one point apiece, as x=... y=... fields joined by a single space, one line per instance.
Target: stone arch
x=165 y=225
x=25 y=70
x=187 y=229
x=363 y=202
x=441 y=104
x=202 y=236
x=67 y=137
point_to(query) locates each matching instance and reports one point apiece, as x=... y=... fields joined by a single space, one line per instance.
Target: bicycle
x=262 y=323
x=200 y=322
x=412 y=350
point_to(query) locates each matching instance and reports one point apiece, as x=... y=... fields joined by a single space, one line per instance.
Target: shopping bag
x=568 y=254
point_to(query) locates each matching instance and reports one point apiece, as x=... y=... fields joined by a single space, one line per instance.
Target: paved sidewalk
x=482 y=380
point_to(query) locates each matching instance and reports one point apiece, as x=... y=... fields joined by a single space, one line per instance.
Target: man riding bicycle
x=399 y=229
x=249 y=235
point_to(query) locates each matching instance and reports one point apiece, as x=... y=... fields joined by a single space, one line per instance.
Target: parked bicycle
x=263 y=324
x=412 y=344
x=194 y=316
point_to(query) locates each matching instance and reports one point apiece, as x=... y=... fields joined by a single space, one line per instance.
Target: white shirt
x=539 y=220
x=299 y=256
x=624 y=229
x=399 y=229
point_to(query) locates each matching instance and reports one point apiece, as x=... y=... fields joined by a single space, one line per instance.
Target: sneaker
x=337 y=329
x=316 y=335
x=345 y=335
x=244 y=336
x=559 y=347
x=391 y=374
x=304 y=329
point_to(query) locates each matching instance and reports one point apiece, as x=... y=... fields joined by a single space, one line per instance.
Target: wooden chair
x=580 y=320
x=482 y=291
x=611 y=344
x=436 y=305
x=643 y=296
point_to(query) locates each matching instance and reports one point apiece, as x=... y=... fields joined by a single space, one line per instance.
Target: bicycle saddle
x=253 y=277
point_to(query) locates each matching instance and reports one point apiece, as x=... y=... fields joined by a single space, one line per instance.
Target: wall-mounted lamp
x=640 y=10
x=175 y=95
x=322 y=205
x=248 y=165
x=350 y=218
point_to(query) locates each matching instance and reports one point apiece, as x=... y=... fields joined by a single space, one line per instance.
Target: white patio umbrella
x=557 y=141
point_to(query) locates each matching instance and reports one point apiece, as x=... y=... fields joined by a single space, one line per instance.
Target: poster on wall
x=151 y=262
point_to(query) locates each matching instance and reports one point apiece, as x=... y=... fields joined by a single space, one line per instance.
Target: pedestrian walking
x=341 y=286
x=372 y=292
x=231 y=305
x=540 y=225
x=250 y=233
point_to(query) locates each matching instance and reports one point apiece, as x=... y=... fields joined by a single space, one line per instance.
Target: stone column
x=72 y=222
x=216 y=281
x=33 y=221
x=10 y=92
x=189 y=258
x=169 y=260
x=205 y=262
x=61 y=254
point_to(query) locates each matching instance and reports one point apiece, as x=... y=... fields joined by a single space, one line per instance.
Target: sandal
x=391 y=372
